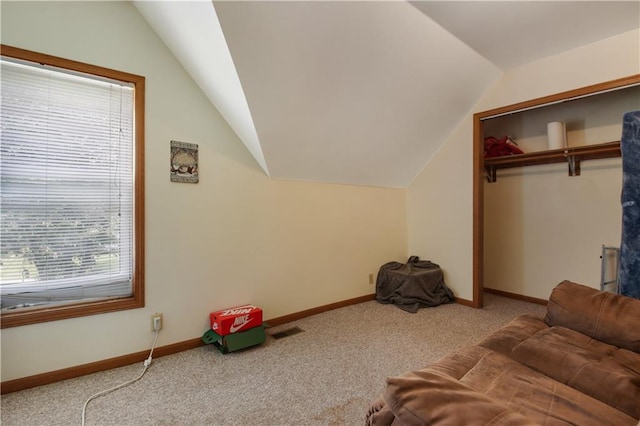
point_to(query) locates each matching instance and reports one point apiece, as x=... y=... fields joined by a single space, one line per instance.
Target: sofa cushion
x=428 y=397
x=458 y=363
x=537 y=397
x=607 y=317
x=495 y=390
x=512 y=334
x=605 y=372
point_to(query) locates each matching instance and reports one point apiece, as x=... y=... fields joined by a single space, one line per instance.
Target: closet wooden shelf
x=572 y=156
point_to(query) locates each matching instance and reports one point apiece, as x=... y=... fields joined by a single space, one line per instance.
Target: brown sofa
x=579 y=365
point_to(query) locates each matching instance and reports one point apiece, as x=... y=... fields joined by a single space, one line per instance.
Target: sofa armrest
x=607 y=317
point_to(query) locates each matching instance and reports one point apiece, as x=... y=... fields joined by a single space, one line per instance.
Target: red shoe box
x=233 y=320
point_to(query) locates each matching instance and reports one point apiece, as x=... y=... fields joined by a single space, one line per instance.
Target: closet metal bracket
x=574 y=164
x=490 y=173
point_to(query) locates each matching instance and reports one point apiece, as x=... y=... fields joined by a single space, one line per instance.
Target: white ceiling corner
x=516 y=32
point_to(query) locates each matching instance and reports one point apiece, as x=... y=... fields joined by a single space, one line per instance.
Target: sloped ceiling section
x=363 y=92
x=350 y=92
x=343 y=92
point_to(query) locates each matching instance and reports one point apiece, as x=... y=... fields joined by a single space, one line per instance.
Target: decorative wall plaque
x=184 y=162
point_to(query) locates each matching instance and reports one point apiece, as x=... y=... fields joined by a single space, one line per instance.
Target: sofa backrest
x=607 y=317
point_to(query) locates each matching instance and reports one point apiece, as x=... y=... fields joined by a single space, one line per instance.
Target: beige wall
x=439 y=205
x=439 y=200
x=236 y=237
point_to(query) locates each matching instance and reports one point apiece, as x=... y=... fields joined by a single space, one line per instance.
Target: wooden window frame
x=26 y=316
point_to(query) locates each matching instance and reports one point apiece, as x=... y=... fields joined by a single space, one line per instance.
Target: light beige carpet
x=326 y=375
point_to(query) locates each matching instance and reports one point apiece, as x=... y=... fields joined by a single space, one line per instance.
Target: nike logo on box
x=239 y=322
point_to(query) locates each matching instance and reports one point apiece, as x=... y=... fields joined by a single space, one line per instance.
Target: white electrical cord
x=147 y=363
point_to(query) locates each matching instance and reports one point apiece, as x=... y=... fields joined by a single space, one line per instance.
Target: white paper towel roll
x=556 y=135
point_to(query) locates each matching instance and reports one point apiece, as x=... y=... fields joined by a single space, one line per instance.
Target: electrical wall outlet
x=156 y=322
x=370 y=279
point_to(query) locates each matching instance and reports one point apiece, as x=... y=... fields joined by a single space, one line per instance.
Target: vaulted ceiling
x=363 y=92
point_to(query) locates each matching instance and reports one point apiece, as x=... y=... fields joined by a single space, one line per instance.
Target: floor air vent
x=288 y=332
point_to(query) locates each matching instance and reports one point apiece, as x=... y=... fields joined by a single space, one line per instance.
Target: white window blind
x=67 y=185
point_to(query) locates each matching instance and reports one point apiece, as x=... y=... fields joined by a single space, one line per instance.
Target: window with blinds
x=67 y=186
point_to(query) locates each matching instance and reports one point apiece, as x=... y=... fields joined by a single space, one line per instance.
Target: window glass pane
x=66 y=186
